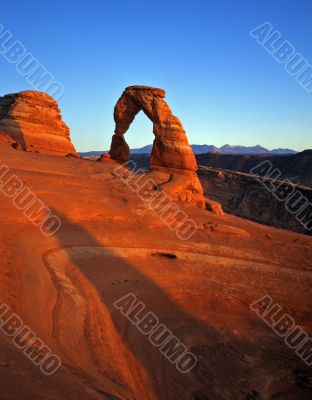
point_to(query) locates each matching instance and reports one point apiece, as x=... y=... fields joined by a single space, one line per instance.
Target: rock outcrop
x=295 y=167
x=32 y=121
x=171 y=153
x=196 y=295
x=242 y=194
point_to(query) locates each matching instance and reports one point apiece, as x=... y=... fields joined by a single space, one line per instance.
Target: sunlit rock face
x=171 y=153
x=171 y=148
x=32 y=121
x=111 y=244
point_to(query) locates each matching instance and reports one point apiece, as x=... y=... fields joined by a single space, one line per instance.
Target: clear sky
x=223 y=86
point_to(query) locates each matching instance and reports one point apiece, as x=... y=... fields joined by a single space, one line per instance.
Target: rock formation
x=171 y=148
x=242 y=194
x=111 y=244
x=32 y=121
x=295 y=167
x=171 y=155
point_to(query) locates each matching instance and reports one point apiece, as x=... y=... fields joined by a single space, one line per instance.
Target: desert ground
x=111 y=244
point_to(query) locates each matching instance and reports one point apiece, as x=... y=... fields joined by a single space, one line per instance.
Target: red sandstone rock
x=7 y=139
x=225 y=229
x=33 y=121
x=171 y=153
x=111 y=244
x=214 y=207
x=121 y=150
x=182 y=185
x=171 y=147
x=104 y=157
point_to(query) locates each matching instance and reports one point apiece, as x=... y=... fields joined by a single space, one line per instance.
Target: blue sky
x=223 y=86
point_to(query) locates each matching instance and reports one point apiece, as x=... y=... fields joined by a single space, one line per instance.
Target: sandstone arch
x=172 y=162
x=170 y=148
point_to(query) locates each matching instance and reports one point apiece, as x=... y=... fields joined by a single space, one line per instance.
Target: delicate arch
x=170 y=148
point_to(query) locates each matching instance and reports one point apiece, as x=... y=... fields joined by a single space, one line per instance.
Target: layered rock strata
x=32 y=121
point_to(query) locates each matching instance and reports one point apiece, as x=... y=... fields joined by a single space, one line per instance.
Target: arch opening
x=172 y=161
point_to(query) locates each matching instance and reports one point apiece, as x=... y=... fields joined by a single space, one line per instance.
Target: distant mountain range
x=206 y=148
x=228 y=149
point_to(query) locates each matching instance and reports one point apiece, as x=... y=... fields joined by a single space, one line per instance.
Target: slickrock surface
x=241 y=193
x=110 y=244
x=32 y=121
x=171 y=154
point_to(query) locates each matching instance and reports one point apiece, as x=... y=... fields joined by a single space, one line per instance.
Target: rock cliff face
x=296 y=167
x=171 y=154
x=32 y=121
x=243 y=195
